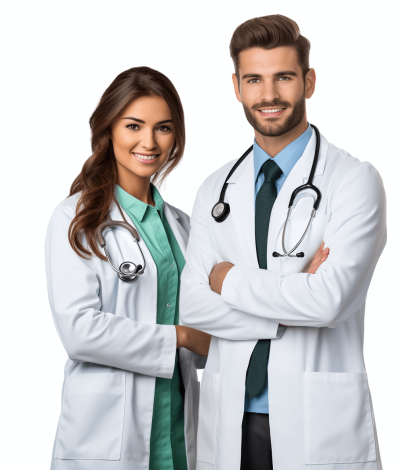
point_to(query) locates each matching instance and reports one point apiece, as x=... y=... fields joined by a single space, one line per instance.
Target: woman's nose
x=148 y=140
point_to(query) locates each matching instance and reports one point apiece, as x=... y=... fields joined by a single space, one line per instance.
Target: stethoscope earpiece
x=275 y=254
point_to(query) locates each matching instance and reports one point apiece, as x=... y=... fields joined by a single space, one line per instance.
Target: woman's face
x=143 y=138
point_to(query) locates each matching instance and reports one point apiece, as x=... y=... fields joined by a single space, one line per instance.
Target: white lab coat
x=115 y=348
x=321 y=413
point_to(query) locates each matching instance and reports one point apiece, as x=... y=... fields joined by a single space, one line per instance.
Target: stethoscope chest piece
x=220 y=211
x=127 y=271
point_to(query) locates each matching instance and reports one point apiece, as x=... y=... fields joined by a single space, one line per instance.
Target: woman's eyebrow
x=143 y=122
x=134 y=119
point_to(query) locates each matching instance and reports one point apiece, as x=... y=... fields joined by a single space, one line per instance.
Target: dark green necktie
x=257 y=372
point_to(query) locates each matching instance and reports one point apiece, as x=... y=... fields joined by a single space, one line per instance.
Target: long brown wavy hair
x=96 y=182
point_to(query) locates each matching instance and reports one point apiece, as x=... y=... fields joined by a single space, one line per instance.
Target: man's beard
x=271 y=130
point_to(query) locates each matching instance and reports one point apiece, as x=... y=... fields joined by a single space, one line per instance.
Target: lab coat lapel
x=240 y=196
x=180 y=233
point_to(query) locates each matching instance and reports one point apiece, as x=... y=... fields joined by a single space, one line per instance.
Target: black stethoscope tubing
x=221 y=209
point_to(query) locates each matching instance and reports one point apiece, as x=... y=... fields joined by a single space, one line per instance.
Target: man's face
x=272 y=89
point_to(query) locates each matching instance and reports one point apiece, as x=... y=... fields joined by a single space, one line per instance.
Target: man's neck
x=273 y=145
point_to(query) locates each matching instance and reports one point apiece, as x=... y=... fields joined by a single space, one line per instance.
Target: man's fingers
x=321 y=256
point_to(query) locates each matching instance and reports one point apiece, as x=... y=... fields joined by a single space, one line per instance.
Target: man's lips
x=271 y=112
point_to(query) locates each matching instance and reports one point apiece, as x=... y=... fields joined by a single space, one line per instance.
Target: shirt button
x=171 y=266
x=168 y=305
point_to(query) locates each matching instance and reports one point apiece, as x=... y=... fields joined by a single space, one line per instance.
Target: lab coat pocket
x=208 y=417
x=337 y=418
x=92 y=417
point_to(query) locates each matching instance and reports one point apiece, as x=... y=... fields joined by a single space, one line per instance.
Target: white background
x=57 y=58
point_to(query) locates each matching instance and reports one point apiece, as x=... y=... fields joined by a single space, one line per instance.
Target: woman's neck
x=137 y=187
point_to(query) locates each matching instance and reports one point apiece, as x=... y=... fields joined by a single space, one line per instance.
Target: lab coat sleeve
x=88 y=333
x=199 y=361
x=356 y=236
x=200 y=307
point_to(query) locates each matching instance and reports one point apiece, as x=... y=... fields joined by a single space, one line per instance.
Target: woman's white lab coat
x=115 y=348
x=321 y=415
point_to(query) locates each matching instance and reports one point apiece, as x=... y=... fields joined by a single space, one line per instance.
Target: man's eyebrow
x=251 y=75
x=277 y=74
x=140 y=120
x=285 y=72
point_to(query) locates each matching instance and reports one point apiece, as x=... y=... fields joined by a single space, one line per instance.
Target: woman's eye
x=133 y=127
x=164 y=128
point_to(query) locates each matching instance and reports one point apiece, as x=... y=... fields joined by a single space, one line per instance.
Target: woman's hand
x=194 y=340
x=319 y=258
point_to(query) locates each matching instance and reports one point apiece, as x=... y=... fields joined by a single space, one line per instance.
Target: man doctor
x=285 y=385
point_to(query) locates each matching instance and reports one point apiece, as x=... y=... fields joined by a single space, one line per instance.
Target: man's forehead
x=257 y=60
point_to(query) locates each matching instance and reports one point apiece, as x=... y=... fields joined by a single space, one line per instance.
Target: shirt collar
x=137 y=207
x=286 y=158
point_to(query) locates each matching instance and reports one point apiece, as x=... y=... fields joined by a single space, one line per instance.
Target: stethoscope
x=127 y=270
x=221 y=209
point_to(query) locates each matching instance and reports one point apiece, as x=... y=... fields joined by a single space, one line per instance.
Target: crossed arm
x=220 y=271
x=245 y=310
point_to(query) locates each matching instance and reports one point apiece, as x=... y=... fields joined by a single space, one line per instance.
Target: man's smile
x=271 y=112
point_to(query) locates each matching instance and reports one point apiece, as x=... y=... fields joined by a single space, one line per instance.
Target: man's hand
x=220 y=271
x=319 y=258
x=218 y=275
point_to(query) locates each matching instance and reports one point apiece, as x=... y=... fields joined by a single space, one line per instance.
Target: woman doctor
x=130 y=394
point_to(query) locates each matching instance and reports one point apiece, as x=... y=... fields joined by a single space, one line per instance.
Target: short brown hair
x=268 y=32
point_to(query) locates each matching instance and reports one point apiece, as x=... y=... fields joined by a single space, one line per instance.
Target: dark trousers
x=256 y=442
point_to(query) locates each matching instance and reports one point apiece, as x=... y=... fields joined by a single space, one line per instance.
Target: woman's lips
x=145 y=159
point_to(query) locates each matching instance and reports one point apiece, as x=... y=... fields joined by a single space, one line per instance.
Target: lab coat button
x=168 y=305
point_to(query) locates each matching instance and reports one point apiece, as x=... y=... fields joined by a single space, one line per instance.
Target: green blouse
x=167 y=440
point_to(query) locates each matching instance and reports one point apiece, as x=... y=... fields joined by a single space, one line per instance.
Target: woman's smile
x=146 y=158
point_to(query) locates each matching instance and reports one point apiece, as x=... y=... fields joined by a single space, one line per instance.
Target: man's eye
x=254 y=80
x=284 y=78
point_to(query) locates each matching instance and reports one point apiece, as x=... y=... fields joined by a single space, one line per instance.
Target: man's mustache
x=270 y=104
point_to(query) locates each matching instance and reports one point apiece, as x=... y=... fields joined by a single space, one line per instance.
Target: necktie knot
x=271 y=171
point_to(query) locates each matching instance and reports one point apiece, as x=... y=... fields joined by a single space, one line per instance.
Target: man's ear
x=236 y=87
x=310 y=81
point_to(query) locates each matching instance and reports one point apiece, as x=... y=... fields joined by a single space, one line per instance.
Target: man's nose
x=269 y=91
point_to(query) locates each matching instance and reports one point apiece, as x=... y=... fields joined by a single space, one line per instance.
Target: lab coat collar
x=306 y=160
x=173 y=218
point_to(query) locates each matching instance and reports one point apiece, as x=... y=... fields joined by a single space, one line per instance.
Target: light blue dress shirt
x=286 y=160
